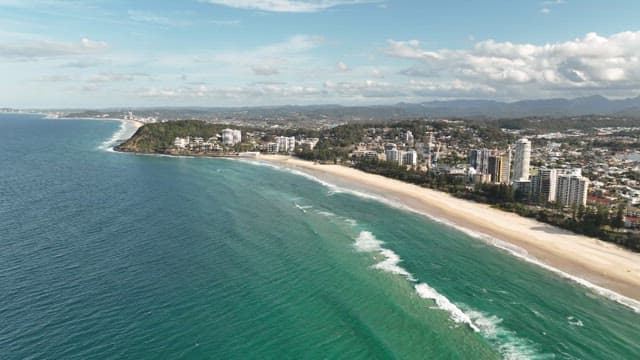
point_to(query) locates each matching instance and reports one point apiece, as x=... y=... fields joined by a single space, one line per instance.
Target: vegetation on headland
x=159 y=137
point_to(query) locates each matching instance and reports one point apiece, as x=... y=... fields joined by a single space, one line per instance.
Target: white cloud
x=264 y=70
x=269 y=59
x=590 y=62
x=35 y=49
x=342 y=67
x=55 y=78
x=545 y=10
x=116 y=77
x=265 y=91
x=291 y=6
x=411 y=89
x=225 y=22
x=140 y=16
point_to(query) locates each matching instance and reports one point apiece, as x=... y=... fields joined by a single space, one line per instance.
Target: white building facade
x=521 y=160
x=572 y=190
x=231 y=137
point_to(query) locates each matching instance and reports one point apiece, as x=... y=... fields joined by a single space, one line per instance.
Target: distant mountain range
x=488 y=109
x=592 y=105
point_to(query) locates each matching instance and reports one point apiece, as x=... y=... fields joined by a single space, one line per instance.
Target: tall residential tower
x=521 y=160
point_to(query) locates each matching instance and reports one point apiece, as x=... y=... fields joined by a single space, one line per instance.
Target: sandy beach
x=602 y=264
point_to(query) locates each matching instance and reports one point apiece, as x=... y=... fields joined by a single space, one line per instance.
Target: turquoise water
x=106 y=255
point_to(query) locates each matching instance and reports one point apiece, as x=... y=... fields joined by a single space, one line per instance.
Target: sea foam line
x=125 y=131
x=508 y=247
x=510 y=346
x=367 y=242
x=507 y=343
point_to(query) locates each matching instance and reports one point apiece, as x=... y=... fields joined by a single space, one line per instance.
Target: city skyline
x=92 y=53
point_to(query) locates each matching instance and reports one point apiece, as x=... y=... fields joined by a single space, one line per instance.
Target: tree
x=618 y=220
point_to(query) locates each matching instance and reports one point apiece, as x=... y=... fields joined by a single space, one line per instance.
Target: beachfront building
x=394 y=155
x=231 y=137
x=543 y=185
x=271 y=147
x=286 y=144
x=505 y=167
x=181 y=143
x=308 y=144
x=410 y=158
x=521 y=160
x=522 y=187
x=572 y=190
x=479 y=160
x=365 y=154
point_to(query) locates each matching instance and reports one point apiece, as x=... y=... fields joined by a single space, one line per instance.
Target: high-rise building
x=395 y=155
x=285 y=144
x=505 y=167
x=231 y=136
x=495 y=167
x=543 y=185
x=521 y=160
x=572 y=190
x=410 y=158
x=479 y=160
x=408 y=137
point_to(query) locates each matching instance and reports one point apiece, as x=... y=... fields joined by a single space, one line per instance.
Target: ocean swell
x=500 y=244
x=367 y=242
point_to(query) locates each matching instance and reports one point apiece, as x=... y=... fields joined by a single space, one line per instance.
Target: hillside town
x=561 y=170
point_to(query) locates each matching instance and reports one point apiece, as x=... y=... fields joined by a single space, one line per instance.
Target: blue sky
x=104 y=53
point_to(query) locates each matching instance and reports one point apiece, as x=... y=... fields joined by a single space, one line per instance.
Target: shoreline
x=605 y=268
x=601 y=267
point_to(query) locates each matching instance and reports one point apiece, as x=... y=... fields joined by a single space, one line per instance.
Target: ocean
x=106 y=255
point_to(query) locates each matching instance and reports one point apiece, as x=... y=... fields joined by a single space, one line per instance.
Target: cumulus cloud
x=411 y=89
x=253 y=91
x=269 y=59
x=37 y=49
x=225 y=22
x=116 y=77
x=289 y=6
x=342 y=67
x=147 y=17
x=590 y=62
x=55 y=78
x=264 y=70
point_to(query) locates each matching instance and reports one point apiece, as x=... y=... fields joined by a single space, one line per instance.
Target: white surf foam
x=125 y=131
x=512 y=249
x=508 y=343
x=574 y=322
x=427 y=292
x=367 y=242
x=326 y=213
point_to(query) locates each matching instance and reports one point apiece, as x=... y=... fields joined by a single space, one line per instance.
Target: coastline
x=605 y=268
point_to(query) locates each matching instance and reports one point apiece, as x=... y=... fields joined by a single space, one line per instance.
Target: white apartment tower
x=231 y=136
x=410 y=158
x=285 y=144
x=572 y=190
x=521 y=160
x=544 y=185
x=395 y=155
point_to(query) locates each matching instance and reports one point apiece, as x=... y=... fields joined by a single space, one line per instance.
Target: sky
x=117 y=53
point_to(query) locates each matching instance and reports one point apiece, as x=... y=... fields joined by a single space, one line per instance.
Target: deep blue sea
x=119 y=256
